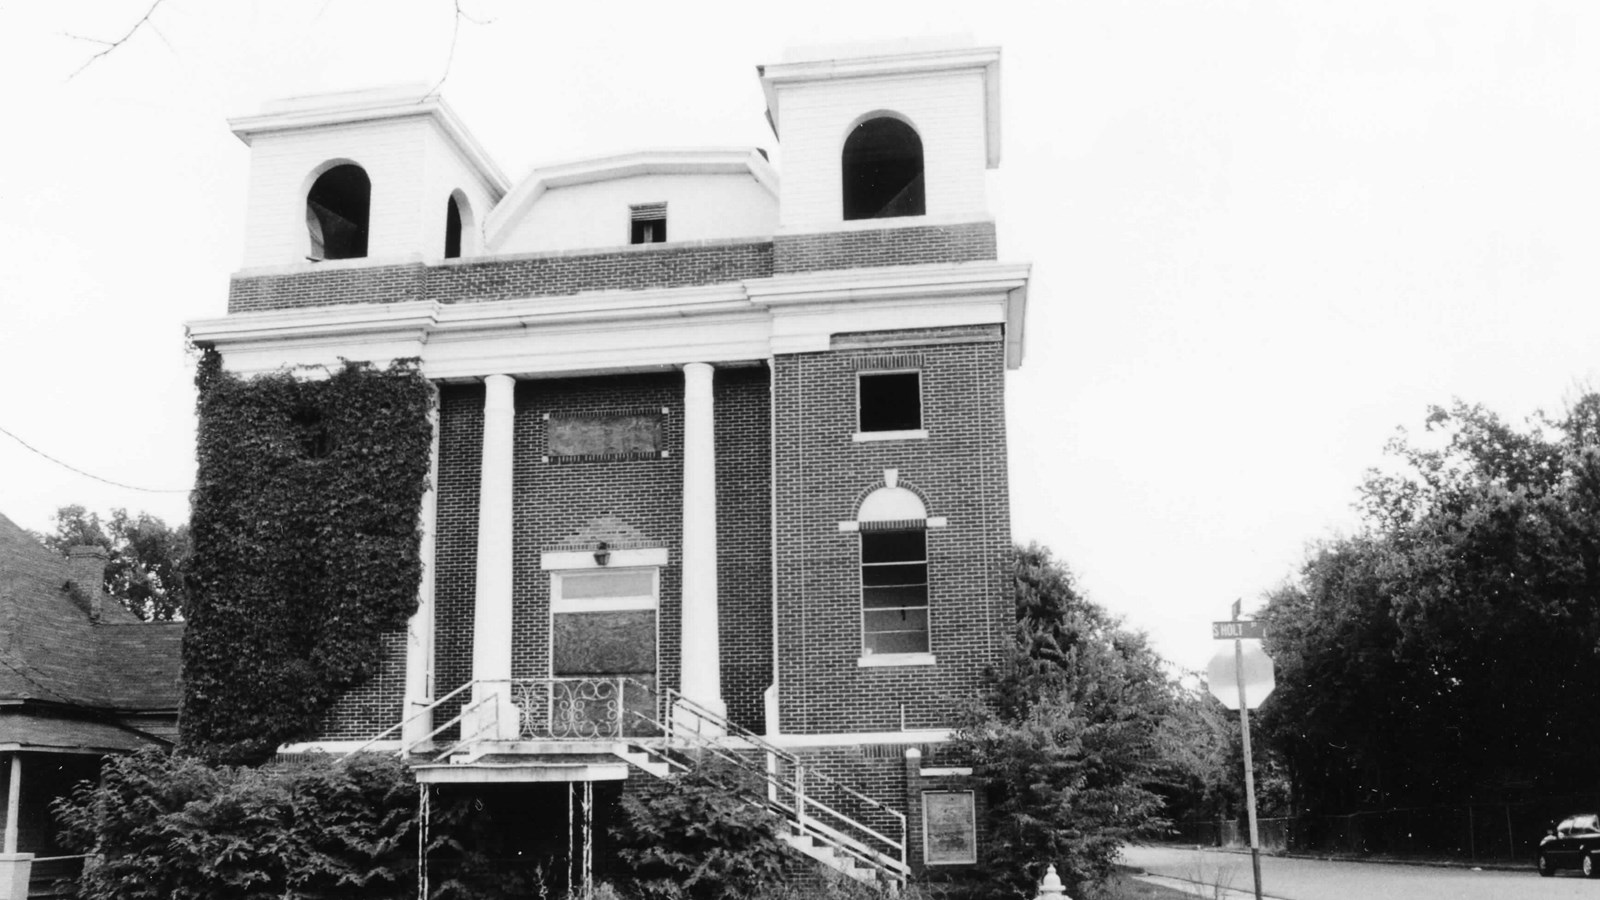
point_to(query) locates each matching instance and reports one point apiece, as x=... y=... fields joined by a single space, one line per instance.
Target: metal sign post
x=1239 y=631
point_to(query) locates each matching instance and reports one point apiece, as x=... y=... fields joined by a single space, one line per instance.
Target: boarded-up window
x=603 y=629
x=622 y=436
x=949 y=828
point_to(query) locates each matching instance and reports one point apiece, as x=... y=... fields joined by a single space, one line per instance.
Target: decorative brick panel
x=820 y=471
x=870 y=248
x=505 y=278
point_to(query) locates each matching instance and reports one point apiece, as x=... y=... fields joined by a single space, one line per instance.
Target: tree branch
x=112 y=45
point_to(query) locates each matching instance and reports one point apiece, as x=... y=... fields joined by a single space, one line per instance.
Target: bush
x=697 y=837
x=172 y=828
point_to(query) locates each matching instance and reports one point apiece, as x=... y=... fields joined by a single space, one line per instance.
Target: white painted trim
x=946 y=772
x=860 y=739
x=604 y=604
x=383 y=104
x=615 y=331
x=620 y=559
x=916 y=434
x=933 y=522
x=877 y=65
x=879 y=660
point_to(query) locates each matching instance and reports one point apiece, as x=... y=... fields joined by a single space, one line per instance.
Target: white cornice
x=629 y=330
x=354 y=107
x=741 y=161
x=929 y=62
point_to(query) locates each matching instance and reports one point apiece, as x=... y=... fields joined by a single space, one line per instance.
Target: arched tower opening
x=337 y=210
x=882 y=169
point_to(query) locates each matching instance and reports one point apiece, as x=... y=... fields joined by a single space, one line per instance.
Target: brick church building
x=720 y=454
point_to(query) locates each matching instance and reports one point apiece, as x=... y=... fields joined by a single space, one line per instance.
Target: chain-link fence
x=1470 y=832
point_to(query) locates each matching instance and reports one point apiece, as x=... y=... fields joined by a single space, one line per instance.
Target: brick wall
x=504 y=278
x=555 y=502
x=368 y=709
x=822 y=473
x=456 y=540
x=744 y=539
x=873 y=247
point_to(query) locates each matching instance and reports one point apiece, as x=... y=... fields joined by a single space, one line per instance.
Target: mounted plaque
x=621 y=436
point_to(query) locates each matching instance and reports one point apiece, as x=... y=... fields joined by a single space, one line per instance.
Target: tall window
x=337 y=208
x=894 y=592
x=882 y=167
x=452 y=229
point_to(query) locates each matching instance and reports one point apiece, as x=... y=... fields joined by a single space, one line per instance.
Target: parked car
x=1573 y=844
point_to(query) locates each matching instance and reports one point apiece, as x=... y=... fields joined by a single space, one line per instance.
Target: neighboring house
x=80 y=677
x=720 y=456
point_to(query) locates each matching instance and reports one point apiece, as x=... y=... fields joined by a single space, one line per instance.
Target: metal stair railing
x=400 y=726
x=793 y=797
x=599 y=709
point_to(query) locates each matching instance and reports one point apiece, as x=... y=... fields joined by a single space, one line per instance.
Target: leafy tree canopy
x=146 y=558
x=1438 y=654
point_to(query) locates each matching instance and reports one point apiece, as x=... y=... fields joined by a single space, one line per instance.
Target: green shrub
x=697 y=837
x=173 y=828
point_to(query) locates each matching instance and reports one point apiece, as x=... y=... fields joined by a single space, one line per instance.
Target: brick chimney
x=86 y=575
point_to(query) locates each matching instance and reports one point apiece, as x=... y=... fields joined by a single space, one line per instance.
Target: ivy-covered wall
x=306 y=547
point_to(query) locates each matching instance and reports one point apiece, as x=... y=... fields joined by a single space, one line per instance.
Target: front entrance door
x=603 y=651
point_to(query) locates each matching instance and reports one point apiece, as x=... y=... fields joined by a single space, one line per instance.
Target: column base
x=15 y=870
x=688 y=719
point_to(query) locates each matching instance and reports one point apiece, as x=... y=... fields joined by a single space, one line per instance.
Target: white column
x=419 y=631
x=702 y=661
x=491 y=628
x=13 y=804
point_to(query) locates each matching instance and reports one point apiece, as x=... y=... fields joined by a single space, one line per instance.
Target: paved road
x=1303 y=879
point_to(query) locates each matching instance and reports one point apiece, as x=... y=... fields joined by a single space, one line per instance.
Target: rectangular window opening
x=648 y=223
x=890 y=401
x=894 y=592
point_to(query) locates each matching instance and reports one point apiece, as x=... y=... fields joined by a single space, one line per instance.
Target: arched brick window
x=882 y=168
x=337 y=210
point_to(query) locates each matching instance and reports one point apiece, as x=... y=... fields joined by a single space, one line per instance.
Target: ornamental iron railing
x=681 y=733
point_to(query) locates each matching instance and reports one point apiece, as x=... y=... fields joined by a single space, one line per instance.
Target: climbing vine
x=306 y=545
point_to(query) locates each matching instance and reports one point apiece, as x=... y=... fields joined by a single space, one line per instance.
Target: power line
x=91 y=474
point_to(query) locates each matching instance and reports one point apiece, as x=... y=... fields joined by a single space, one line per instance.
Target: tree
x=1068 y=738
x=146 y=558
x=1436 y=655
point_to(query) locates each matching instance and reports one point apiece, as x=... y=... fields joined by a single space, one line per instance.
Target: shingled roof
x=54 y=652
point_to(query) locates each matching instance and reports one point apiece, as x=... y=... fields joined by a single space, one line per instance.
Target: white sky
x=1264 y=234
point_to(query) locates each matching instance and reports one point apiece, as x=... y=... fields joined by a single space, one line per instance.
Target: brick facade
x=505 y=278
x=557 y=501
x=959 y=468
x=631 y=268
x=870 y=248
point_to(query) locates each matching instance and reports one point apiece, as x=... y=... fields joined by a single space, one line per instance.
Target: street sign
x=1233 y=631
x=1241 y=679
x=1222 y=675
